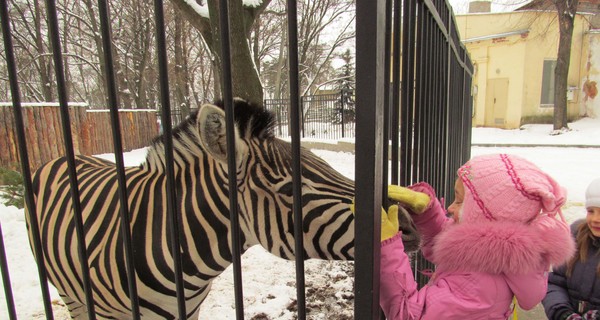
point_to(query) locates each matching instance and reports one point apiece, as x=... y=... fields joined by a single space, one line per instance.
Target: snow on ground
x=268 y=282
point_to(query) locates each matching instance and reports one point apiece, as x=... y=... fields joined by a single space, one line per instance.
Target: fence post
x=370 y=15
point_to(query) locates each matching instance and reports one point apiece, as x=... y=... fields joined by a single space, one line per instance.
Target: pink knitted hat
x=502 y=187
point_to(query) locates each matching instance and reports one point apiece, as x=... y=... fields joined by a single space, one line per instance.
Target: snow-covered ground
x=268 y=282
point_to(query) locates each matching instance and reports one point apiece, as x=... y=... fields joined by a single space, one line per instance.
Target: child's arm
x=556 y=303
x=431 y=221
x=397 y=285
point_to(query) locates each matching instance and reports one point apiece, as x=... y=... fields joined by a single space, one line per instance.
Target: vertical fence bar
x=369 y=116
x=452 y=72
x=420 y=83
x=66 y=127
x=342 y=109
x=387 y=109
x=172 y=208
x=113 y=105
x=292 y=16
x=469 y=100
x=437 y=109
x=407 y=89
x=10 y=302
x=231 y=162
x=24 y=159
x=395 y=95
x=387 y=101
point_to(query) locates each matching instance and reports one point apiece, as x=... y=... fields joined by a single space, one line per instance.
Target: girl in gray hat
x=574 y=288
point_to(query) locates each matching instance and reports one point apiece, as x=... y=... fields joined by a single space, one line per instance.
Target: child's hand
x=592 y=315
x=416 y=201
x=389 y=223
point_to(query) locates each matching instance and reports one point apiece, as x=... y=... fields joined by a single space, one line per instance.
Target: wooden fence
x=91 y=131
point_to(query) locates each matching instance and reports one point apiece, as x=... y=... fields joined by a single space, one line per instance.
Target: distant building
x=514 y=54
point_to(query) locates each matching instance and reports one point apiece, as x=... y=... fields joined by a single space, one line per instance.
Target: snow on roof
x=497 y=35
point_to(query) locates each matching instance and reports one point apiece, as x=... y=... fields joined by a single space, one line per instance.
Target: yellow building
x=514 y=54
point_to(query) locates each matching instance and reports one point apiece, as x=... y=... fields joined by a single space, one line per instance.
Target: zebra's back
x=100 y=205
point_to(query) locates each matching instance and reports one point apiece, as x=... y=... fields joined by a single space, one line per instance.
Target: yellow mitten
x=389 y=223
x=416 y=201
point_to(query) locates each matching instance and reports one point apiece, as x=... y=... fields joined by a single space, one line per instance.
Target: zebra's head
x=264 y=177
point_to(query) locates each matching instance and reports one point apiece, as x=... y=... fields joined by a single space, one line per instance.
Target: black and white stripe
x=265 y=200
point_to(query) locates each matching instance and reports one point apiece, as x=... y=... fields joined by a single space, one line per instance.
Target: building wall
x=590 y=102
x=514 y=45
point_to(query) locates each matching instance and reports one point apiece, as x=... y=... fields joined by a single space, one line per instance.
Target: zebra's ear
x=211 y=128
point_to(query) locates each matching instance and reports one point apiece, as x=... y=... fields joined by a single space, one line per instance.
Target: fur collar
x=502 y=247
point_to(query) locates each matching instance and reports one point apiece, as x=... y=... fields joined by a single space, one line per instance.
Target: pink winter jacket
x=479 y=268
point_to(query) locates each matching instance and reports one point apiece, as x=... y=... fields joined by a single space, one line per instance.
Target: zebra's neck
x=186 y=148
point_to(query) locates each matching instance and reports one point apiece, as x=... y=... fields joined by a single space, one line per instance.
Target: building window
x=547 y=100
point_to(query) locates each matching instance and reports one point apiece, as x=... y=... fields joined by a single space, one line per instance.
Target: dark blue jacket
x=578 y=293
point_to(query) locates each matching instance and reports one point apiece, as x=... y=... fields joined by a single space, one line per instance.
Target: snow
x=252 y=3
x=268 y=282
x=202 y=9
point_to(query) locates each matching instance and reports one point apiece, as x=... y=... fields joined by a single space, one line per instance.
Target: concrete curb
x=345 y=146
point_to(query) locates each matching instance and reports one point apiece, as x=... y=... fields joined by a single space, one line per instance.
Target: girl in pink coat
x=503 y=237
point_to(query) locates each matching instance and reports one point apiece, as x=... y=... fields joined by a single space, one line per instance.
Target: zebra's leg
x=77 y=310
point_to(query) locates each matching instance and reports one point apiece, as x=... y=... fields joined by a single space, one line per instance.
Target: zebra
x=264 y=185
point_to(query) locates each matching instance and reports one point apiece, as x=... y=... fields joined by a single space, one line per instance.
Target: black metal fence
x=329 y=116
x=428 y=100
x=324 y=116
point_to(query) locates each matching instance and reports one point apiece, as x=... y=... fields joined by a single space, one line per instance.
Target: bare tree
x=566 y=17
x=258 y=49
x=32 y=50
x=566 y=10
x=325 y=26
x=182 y=92
x=245 y=82
x=269 y=48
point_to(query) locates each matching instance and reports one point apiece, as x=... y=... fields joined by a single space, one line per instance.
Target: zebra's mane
x=252 y=121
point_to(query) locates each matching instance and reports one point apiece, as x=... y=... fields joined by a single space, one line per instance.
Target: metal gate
x=418 y=98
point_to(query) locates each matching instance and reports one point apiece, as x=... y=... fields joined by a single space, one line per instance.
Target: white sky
x=268 y=282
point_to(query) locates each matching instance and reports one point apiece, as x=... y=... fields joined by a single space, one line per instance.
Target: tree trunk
x=181 y=75
x=99 y=49
x=245 y=81
x=45 y=66
x=566 y=17
x=280 y=63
